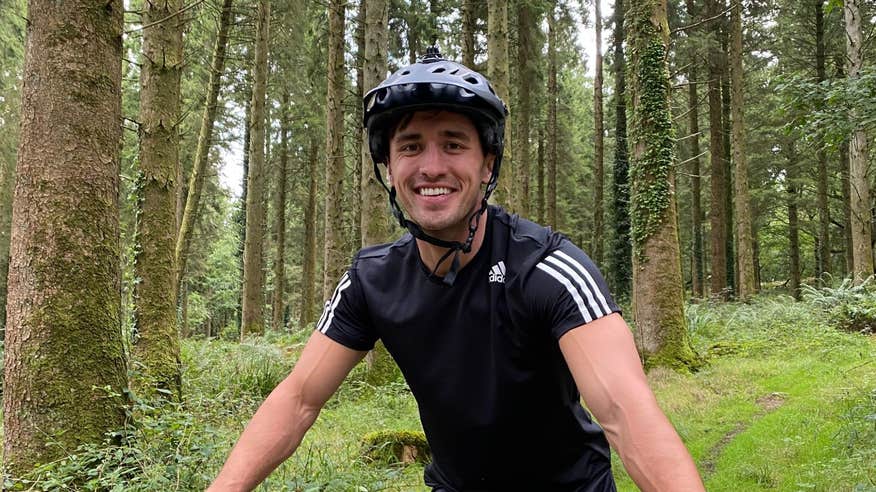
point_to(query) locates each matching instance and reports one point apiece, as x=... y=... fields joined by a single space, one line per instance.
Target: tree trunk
x=793 y=223
x=156 y=340
x=822 y=258
x=376 y=226
x=658 y=297
x=65 y=365
x=499 y=73
x=244 y=191
x=527 y=61
x=253 y=267
x=308 y=273
x=205 y=137
x=862 y=249
x=718 y=237
x=745 y=288
x=335 y=257
x=278 y=299
x=468 y=33
x=551 y=171
x=695 y=182
x=539 y=197
x=847 y=210
x=598 y=144
x=729 y=227
x=621 y=256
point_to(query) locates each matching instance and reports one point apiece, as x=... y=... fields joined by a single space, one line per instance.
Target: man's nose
x=432 y=162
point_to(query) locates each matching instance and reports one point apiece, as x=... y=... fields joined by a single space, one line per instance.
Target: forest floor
x=785 y=402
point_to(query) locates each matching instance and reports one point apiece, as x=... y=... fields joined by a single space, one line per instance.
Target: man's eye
x=411 y=147
x=454 y=146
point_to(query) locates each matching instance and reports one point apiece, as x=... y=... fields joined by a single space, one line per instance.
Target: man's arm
x=278 y=426
x=605 y=364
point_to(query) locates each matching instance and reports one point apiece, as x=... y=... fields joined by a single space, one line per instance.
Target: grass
x=786 y=403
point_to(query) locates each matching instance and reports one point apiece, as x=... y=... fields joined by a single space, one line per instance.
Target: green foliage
x=390 y=447
x=848 y=306
x=229 y=371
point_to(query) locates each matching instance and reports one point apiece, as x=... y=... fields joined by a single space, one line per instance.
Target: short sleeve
x=567 y=290
x=345 y=316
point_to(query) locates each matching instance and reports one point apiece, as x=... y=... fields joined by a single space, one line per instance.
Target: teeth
x=434 y=191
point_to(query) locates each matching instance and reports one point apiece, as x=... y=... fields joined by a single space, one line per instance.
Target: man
x=498 y=325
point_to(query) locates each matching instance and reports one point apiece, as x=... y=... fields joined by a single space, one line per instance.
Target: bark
x=729 y=226
x=308 y=273
x=657 y=284
x=621 y=257
x=468 y=33
x=718 y=237
x=745 y=288
x=862 y=249
x=279 y=294
x=793 y=225
x=7 y=183
x=822 y=257
x=205 y=138
x=335 y=256
x=539 y=196
x=598 y=143
x=499 y=73
x=156 y=340
x=527 y=57
x=847 y=210
x=65 y=368
x=695 y=181
x=253 y=322
x=376 y=226
x=241 y=212
x=551 y=170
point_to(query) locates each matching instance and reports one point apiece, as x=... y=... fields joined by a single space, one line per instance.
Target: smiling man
x=500 y=326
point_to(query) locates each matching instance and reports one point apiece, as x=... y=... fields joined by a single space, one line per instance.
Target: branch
x=198 y=2
x=699 y=23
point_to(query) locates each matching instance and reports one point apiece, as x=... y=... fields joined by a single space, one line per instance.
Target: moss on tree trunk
x=64 y=333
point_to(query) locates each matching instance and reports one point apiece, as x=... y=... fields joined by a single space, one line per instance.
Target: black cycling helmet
x=436 y=83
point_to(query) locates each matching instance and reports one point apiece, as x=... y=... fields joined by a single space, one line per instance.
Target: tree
x=598 y=142
x=65 y=364
x=279 y=293
x=253 y=264
x=156 y=340
x=822 y=259
x=693 y=102
x=205 y=137
x=621 y=260
x=657 y=289
x=862 y=249
x=335 y=257
x=499 y=73
x=375 y=223
x=308 y=273
x=468 y=33
x=745 y=288
x=550 y=199
x=793 y=221
x=718 y=236
x=527 y=56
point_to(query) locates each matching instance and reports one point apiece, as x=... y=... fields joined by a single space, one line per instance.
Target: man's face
x=438 y=166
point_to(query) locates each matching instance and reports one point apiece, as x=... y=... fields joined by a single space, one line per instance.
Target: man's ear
x=489 y=159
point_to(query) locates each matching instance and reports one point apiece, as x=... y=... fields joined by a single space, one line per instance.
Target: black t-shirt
x=497 y=401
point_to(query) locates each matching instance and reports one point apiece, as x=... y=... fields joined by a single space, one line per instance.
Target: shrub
x=393 y=447
x=848 y=307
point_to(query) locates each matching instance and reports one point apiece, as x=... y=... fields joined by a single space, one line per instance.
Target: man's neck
x=430 y=254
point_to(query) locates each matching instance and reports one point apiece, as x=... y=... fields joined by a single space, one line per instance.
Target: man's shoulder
x=520 y=235
x=382 y=258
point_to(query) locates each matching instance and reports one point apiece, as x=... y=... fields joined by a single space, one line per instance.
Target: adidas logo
x=497 y=273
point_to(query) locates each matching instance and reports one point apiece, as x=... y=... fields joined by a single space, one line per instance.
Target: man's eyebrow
x=407 y=137
x=457 y=135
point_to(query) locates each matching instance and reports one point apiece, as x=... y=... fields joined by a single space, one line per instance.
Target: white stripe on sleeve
x=593 y=286
x=569 y=287
x=329 y=313
x=573 y=275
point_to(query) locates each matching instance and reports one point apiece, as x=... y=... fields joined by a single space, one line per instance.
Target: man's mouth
x=436 y=191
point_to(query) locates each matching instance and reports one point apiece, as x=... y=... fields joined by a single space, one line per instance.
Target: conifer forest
x=183 y=182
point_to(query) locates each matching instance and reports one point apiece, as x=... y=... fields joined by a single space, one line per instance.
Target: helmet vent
x=471 y=80
x=454 y=72
x=491 y=89
x=439 y=70
x=465 y=92
x=406 y=72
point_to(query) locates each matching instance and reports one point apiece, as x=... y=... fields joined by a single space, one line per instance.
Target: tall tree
x=376 y=227
x=693 y=102
x=862 y=249
x=745 y=287
x=253 y=274
x=527 y=56
x=64 y=336
x=499 y=72
x=279 y=294
x=205 y=137
x=718 y=237
x=308 y=270
x=657 y=286
x=335 y=257
x=822 y=258
x=156 y=343
x=550 y=200
x=598 y=142
x=621 y=257
x=793 y=221
x=468 y=33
